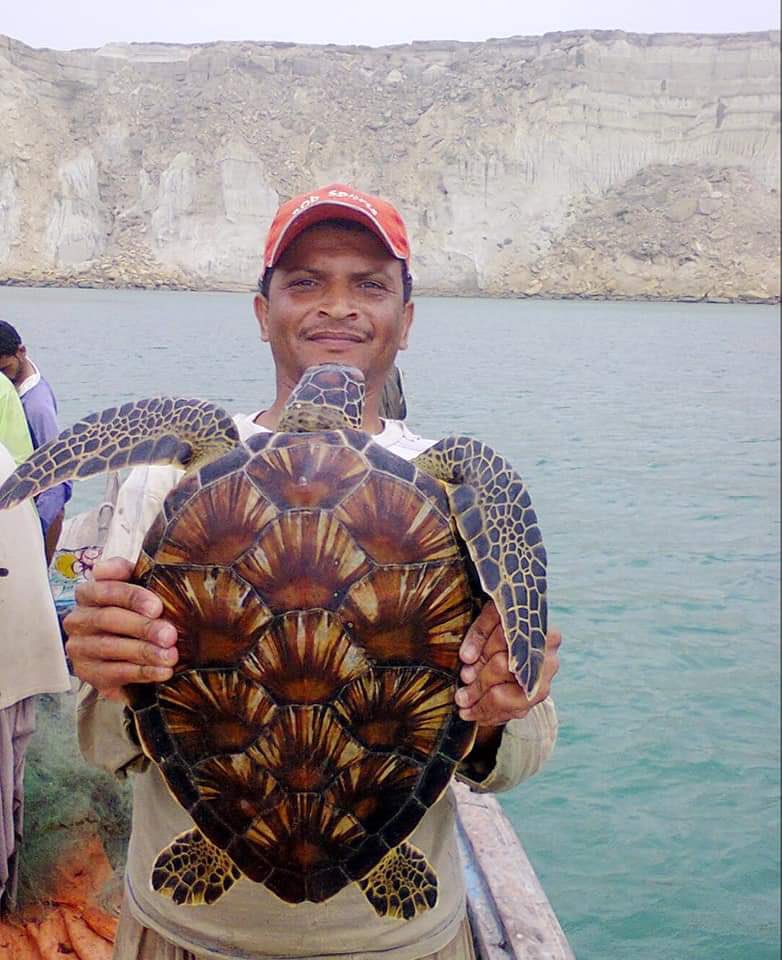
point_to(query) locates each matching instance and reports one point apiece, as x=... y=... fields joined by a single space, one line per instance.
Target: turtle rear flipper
x=192 y=871
x=159 y=430
x=494 y=516
x=402 y=885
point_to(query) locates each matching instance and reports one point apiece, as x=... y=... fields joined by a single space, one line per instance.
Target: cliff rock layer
x=590 y=163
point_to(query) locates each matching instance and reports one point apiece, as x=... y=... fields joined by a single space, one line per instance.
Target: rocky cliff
x=589 y=163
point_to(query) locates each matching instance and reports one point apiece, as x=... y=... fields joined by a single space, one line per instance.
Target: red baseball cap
x=336 y=201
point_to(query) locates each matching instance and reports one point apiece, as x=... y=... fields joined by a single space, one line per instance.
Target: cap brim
x=328 y=210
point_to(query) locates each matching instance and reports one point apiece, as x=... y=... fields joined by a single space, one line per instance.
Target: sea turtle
x=320 y=586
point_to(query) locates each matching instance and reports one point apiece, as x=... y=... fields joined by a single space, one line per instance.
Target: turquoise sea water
x=649 y=436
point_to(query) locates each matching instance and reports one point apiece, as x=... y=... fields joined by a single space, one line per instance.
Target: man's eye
x=373 y=284
x=302 y=282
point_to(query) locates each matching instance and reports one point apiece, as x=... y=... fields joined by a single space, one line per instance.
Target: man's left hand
x=492 y=695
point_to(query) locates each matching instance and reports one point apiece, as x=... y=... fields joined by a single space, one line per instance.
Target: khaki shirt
x=249 y=921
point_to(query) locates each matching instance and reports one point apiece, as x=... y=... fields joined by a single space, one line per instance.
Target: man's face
x=11 y=365
x=335 y=297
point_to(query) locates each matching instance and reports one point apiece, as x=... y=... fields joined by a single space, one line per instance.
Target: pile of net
x=76 y=825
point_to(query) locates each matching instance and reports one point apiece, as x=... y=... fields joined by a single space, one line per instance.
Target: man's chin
x=349 y=352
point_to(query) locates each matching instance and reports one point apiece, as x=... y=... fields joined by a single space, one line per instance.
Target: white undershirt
x=29 y=382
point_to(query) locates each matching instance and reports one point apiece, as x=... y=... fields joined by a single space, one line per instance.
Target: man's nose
x=338 y=301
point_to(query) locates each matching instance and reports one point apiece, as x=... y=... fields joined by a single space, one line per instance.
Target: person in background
x=335 y=287
x=40 y=409
x=31 y=655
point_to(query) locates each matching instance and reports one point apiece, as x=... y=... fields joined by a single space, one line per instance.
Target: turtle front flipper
x=329 y=396
x=495 y=518
x=191 y=870
x=160 y=430
x=402 y=885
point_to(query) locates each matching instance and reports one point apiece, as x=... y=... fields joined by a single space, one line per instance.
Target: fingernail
x=163 y=673
x=466 y=715
x=168 y=655
x=461 y=698
x=149 y=608
x=468 y=674
x=164 y=634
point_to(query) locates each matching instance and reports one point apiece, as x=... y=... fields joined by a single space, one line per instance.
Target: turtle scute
x=217 y=615
x=305 y=748
x=236 y=786
x=217 y=524
x=214 y=712
x=411 y=613
x=306 y=834
x=401 y=710
x=303 y=559
x=298 y=476
x=305 y=657
x=394 y=523
x=375 y=788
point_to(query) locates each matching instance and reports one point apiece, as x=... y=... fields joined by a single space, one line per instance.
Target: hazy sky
x=90 y=23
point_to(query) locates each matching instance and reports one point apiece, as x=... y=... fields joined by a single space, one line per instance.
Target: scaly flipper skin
x=159 y=430
x=402 y=885
x=393 y=405
x=495 y=518
x=328 y=397
x=192 y=871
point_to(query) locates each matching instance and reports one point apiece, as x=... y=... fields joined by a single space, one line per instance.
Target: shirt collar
x=391 y=432
x=32 y=381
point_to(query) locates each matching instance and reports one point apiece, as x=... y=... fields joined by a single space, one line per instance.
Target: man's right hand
x=114 y=634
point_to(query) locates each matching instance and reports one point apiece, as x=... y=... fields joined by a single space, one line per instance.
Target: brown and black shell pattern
x=320 y=596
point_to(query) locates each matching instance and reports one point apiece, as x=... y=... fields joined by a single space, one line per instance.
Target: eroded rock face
x=156 y=165
x=10 y=211
x=688 y=232
x=77 y=228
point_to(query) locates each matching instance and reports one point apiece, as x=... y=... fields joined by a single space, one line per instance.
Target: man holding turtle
x=336 y=287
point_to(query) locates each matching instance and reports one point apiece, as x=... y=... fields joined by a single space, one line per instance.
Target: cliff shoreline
x=586 y=165
x=97 y=284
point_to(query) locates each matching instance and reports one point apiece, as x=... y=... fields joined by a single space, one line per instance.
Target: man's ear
x=407 y=322
x=261 y=308
x=21 y=353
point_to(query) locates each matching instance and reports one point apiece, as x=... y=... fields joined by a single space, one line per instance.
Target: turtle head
x=328 y=397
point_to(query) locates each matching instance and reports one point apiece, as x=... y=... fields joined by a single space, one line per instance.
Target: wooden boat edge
x=510 y=914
